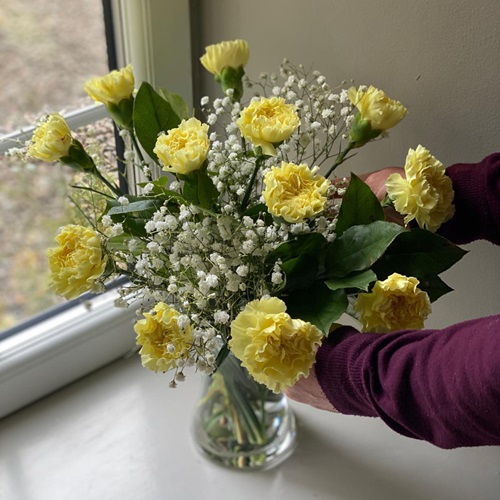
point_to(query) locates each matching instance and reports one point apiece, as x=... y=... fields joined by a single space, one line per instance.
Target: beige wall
x=440 y=58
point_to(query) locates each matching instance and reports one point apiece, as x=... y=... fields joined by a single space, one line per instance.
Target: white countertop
x=122 y=434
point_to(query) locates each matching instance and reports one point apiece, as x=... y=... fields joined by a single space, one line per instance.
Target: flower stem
x=248 y=192
x=340 y=158
x=113 y=188
x=137 y=147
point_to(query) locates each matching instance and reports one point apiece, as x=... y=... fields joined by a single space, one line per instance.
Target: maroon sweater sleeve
x=477 y=201
x=442 y=386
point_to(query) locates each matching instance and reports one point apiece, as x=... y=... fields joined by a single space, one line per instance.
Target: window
x=47 y=56
x=52 y=350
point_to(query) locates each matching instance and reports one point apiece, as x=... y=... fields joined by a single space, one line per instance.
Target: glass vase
x=241 y=424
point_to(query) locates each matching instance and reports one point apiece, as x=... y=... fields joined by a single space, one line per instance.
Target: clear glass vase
x=239 y=423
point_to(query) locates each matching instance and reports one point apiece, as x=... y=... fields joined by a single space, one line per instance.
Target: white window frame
x=155 y=37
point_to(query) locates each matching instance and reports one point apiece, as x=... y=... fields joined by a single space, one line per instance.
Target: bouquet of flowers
x=234 y=242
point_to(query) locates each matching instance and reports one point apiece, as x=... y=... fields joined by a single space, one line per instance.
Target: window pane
x=49 y=48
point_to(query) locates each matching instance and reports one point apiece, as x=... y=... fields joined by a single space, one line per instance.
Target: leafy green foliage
x=434 y=286
x=302 y=260
x=359 y=206
x=418 y=253
x=152 y=115
x=199 y=189
x=133 y=216
x=318 y=305
x=160 y=190
x=178 y=104
x=357 y=280
x=359 y=247
x=259 y=210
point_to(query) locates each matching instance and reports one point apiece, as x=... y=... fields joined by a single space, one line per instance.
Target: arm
x=442 y=386
x=477 y=201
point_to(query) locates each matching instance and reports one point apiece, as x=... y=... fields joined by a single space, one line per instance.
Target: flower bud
x=226 y=61
x=376 y=113
x=115 y=91
x=51 y=140
x=78 y=159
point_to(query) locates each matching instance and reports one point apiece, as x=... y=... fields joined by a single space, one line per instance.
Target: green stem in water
x=251 y=422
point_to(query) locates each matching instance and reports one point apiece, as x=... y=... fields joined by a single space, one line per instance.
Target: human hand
x=308 y=391
x=376 y=182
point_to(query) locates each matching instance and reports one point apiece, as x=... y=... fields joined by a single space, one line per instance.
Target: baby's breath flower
x=221 y=317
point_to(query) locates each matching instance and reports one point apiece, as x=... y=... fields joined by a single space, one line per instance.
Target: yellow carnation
x=232 y=54
x=267 y=122
x=51 y=140
x=77 y=263
x=112 y=88
x=183 y=149
x=426 y=194
x=294 y=192
x=393 y=304
x=373 y=105
x=162 y=340
x=275 y=349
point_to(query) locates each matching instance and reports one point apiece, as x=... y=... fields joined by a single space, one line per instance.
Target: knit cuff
x=339 y=370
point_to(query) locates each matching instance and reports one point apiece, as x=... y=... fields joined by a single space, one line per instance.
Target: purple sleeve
x=442 y=386
x=477 y=201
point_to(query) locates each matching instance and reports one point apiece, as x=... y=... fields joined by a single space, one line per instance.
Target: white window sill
x=121 y=433
x=63 y=348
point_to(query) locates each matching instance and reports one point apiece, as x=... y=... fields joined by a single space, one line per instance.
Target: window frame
x=66 y=343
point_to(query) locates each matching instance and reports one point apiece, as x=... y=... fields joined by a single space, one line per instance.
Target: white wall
x=440 y=58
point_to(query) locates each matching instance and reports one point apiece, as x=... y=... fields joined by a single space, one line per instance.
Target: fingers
x=308 y=391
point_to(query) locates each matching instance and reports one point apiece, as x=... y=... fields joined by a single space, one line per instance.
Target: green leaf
x=257 y=210
x=318 y=305
x=291 y=249
x=301 y=271
x=159 y=189
x=199 y=189
x=221 y=355
x=418 y=253
x=177 y=102
x=161 y=182
x=359 y=247
x=359 y=206
x=435 y=287
x=136 y=207
x=152 y=115
x=120 y=244
x=133 y=216
x=360 y=280
x=302 y=260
